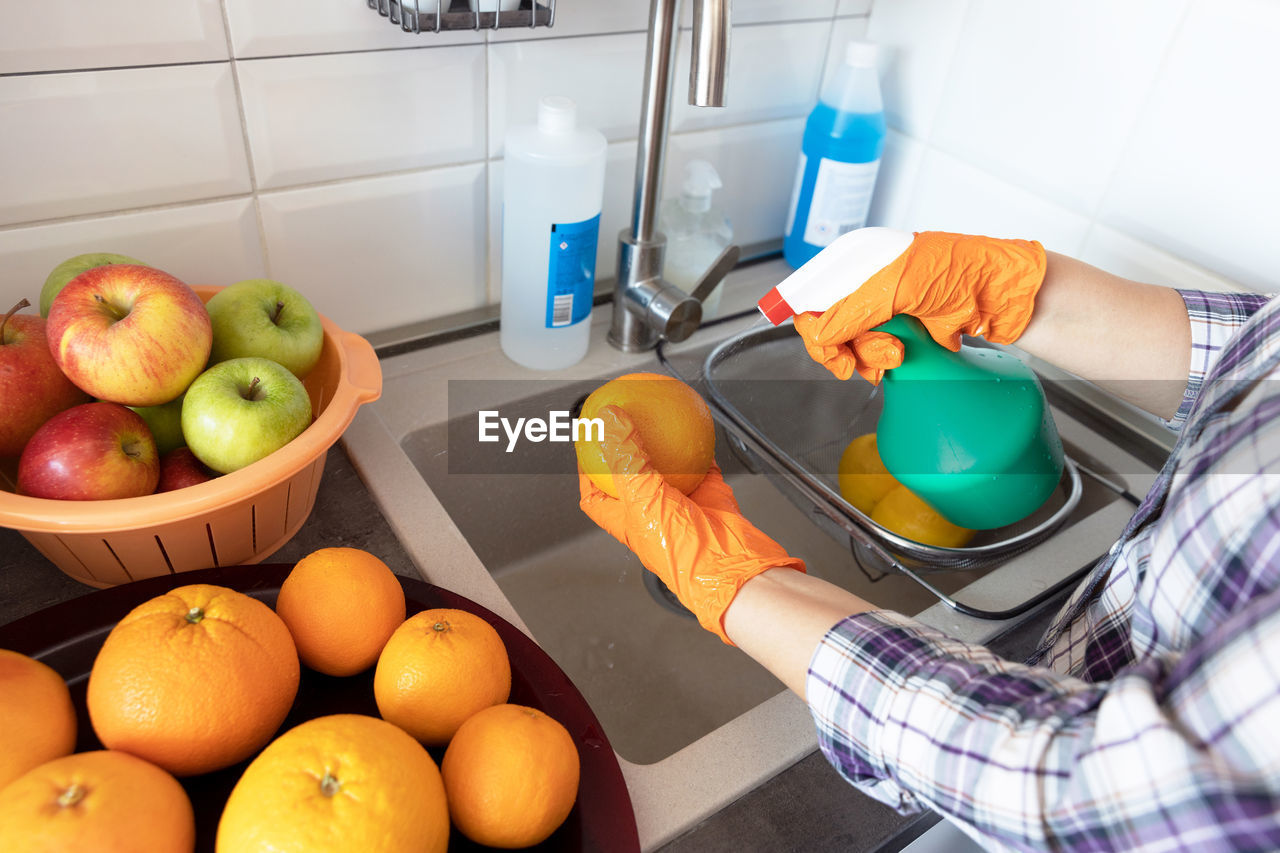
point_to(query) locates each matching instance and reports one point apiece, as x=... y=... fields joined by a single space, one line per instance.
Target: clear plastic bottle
x=553 y=191
x=839 y=158
x=697 y=231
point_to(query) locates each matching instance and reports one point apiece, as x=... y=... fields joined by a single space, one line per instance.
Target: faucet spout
x=646 y=307
x=710 y=53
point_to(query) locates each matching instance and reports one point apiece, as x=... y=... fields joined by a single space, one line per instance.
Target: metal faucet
x=645 y=306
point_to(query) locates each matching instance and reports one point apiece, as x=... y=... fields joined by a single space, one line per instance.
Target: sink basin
x=695 y=723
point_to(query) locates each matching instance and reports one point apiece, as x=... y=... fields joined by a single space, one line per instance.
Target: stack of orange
x=201 y=678
x=510 y=773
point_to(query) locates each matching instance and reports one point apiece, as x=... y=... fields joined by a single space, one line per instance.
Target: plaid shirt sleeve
x=1214 y=317
x=1178 y=752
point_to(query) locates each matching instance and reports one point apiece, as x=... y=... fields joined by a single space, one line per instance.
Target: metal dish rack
x=788 y=418
x=423 y=16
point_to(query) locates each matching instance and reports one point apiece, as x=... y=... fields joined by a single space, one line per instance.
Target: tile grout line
x=246 y=144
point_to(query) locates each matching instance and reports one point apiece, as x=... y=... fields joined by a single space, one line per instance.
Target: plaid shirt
x=1149 y=718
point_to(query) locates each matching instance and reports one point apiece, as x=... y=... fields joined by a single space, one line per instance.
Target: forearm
x=1131 y=338
x=779 y=618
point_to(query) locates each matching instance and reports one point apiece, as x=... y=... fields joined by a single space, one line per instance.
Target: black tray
x=67 y=637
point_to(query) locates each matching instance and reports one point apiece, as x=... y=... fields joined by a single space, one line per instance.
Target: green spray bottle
x=970 y=432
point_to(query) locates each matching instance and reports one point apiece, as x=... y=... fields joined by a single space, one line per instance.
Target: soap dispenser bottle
x=553 y=191
x=697 y=231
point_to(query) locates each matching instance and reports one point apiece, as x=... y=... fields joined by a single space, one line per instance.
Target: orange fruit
x=906 y=514
x=193 y=680
x=673 y=422
x=861 y=476
x=439 y=668
x=511 y=776
x=346 y=782
x=341 y=606
x=37 y=720
x=105 y=801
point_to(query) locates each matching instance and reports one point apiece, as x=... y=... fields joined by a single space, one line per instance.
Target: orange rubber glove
x=954 y=284
x=699 y=545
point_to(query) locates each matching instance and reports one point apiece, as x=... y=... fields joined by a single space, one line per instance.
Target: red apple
x=94 y=451
x=129 y=334
x=180 y=468
x=32 y=388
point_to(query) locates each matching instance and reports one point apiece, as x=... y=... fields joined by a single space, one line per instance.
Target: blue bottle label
x=571 y=273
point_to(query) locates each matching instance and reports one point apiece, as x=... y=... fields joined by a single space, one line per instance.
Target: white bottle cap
x=860 y=54
x=557 y=114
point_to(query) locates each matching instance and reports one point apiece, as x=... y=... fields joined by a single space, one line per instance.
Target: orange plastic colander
x=241 y=517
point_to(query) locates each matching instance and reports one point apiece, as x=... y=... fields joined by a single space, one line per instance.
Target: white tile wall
x=389 y=250
x=36 y=37
x=1139 y=135
x=92 y=141
x=227 y=139
x=342 y=115
x=1201 y=176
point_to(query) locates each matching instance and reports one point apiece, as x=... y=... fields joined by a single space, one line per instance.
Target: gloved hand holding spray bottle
x=969 y=431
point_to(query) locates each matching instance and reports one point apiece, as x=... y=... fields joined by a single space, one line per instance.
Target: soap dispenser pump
x=697 y=231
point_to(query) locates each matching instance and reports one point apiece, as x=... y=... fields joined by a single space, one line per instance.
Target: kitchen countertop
x=806 y=807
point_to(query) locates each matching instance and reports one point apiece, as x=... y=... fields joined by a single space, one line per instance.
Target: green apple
x=266 y=319
x=72 y=267
x=242 y=410
x=165 y=423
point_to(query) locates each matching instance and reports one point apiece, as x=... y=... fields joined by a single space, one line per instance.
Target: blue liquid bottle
x=839 y=158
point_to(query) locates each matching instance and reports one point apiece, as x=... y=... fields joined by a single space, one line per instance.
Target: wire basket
x=792 y=419
x=423 y=16
x=237 y=518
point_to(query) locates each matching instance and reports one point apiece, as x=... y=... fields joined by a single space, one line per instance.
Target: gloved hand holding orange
x=698 y=544
x=952 y=283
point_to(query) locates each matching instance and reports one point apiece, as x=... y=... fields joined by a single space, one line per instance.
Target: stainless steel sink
x=695 y=722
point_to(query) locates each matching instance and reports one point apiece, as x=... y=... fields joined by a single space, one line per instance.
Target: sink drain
x=662 y=594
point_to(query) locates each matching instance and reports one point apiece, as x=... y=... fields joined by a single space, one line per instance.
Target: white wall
x=318 y=144
x=1141 y=136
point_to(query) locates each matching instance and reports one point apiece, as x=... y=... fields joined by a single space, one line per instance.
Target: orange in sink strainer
x=241 y=517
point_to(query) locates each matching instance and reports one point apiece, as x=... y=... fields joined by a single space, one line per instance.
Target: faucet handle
x=677 y=314
x=673 y=313
x=716 y=272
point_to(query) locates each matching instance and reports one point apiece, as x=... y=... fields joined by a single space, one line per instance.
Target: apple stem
x=275 y=317
x=112 y=309
x=251 y=393
x=22 y=303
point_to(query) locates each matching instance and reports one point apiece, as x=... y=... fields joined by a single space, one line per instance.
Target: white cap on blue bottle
x=860 y=54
